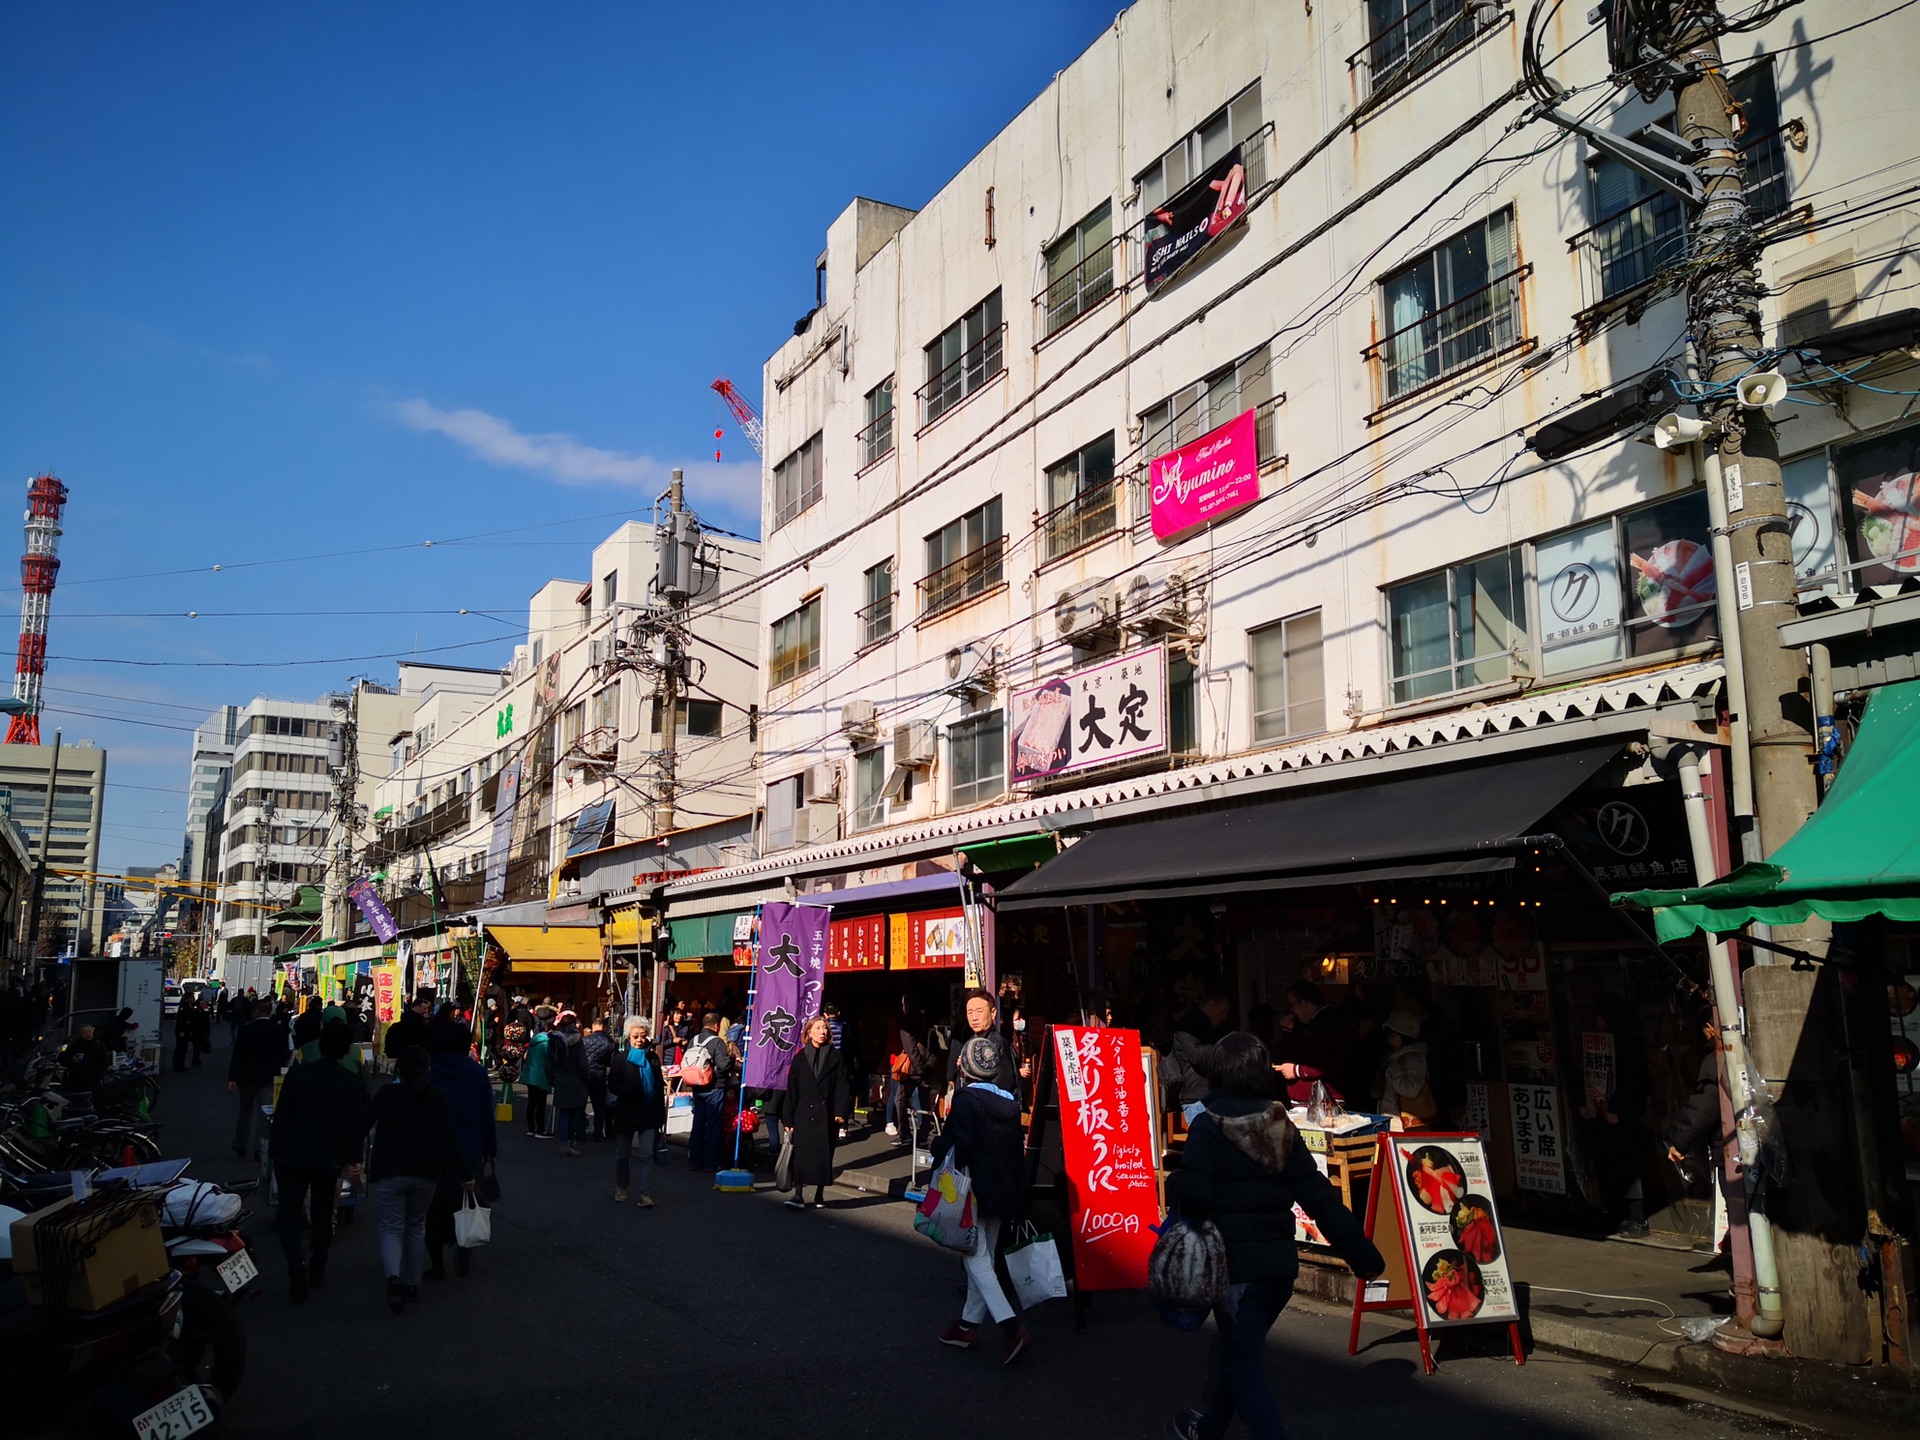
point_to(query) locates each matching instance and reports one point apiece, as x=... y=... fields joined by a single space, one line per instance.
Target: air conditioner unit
x=823 y=783
x=816 y=824
x=857 y=717
x=1085 y=613
x=913 y=744
x=597 y=652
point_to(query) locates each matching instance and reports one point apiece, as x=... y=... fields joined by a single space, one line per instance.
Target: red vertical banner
x=1106 y=1132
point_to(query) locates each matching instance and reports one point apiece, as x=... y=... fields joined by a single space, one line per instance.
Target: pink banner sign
x=1206 y=480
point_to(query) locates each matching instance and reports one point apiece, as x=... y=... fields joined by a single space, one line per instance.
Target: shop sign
x=1457 y=944
x=1524 y=970
x=929 y=940
x=1116 y=710
x=1479 y=1113
x=1579 y=601
x=500 y=843
x=386 y=993
x=1537 y=1149
x=1106 y=1131
x=788 y=974
x=857 y=944
x=1453 y=1240
x=1206 y=479
x=1180 y=230
x=378 y=918
x=743 y=940
x=1596 y=1067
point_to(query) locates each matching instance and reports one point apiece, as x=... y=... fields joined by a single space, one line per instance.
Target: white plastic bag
x=1034 y=1266
x=196 y=1205
x=472 y=1223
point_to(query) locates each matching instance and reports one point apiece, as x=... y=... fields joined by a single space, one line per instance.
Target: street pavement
x=719 y=1315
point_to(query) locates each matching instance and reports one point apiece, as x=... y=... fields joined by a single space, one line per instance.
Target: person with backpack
x=703 y=1070
x=567 y=1055
x=1244 y=1169
x=984 y=1137
x=638 y=1087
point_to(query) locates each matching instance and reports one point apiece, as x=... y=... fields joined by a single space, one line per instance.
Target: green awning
x=1016 y=853
x=702 y=935
x=309 y=948
x=1857 y=855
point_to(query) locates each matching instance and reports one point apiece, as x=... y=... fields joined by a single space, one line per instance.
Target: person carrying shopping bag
x=984 y=1137
x=414 y=1151
x=463 y=1080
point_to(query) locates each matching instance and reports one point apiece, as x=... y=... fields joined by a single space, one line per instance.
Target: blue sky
x=286 y=281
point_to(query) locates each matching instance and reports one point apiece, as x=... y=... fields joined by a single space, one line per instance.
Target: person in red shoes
x=984 y=1137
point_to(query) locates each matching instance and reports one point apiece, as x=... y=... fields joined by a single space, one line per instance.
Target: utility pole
x=675 y=580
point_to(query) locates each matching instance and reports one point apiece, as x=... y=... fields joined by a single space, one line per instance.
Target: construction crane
x=743 y=412
x=39 y=568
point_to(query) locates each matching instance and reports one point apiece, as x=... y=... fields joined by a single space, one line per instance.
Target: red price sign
x=1106 y=1129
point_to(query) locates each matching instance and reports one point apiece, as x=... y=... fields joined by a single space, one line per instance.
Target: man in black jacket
x=983 y=1022
x=258 y=1053
x=597 y=1051
x=410 y=1028
x=316 y=1126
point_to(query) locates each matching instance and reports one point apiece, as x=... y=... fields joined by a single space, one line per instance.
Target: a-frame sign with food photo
x=1431 y=1213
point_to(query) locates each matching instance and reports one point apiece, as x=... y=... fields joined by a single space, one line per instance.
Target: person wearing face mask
x=982 y=1016
x=1022 y=1042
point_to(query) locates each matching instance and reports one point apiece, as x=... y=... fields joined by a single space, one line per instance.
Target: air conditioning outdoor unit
x=1085 y=613
x=597 y=652
x=823 y=783
x=913 y=744
x=816 y=824
x=857 y=717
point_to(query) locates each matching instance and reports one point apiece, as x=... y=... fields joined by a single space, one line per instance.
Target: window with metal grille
x=796 y=482
x=1406 y=37
x=1454 y=305
x=964 y=559
x=1189 y=159
x=796 y=644
x=876 y=440
x=1079 y=270
x=1082 y=504
x=876 y=616
x=1193 y=410
x=965 y=356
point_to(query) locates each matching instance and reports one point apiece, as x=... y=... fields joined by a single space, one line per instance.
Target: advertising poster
x=929 y=940
x=1882 y=504
x=1106 y=1131
x=1304 y=1230
x=386 y=993
x=1459 y=1257
x=1463 y=943
x=1206 y=479
x=1113 y=711
x=1670 y=586
x=1596 y=1068
x=500 y=843
x=1192 y=220
x=1537 y=1151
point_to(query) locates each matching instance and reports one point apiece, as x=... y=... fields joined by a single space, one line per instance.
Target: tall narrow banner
x=1106 y=1133
x=386 y=993
x=788 y=975
x=373 y=909
x=500 y=844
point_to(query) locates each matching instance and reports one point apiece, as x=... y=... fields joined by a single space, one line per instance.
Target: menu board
x=1452 y=1230
x=857 y=944
x=929 y=940
x=1106 y=1131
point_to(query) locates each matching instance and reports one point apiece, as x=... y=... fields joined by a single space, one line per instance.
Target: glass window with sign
x=1196 y=409
x=1232 y=124
x=1880 y=498
x=1289 y=683
x=977 y=758
x=869 y=787
x=1456 y=630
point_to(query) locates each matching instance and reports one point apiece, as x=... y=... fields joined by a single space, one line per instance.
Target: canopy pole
x=1770 y=1321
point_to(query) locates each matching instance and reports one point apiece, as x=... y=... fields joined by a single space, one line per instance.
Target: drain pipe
x=1770 y=1322
x=1727 y=608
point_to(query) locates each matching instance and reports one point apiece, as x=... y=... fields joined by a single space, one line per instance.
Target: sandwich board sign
x=1440 y=1235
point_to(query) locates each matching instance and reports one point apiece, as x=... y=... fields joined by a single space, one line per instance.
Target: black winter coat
x=636 y=1106
x=810 y=1106
x=1251 y=1199
x=316 y=1124
x=259 y=1051
x=983 y=1132
x=412 y=1134
x=567 y=1057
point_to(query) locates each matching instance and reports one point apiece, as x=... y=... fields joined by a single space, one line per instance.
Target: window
x=1641 y=231
x=698 y=718
x=877 y=439
x=609 y=590
x=1191 y=412
x=876 y=616
x=1079 y=269
x=1082 y=504
x=1231 y=125
x=569 y=727
x=1455 y=304
x=869 y=786
x=968 y=354
x=796 y=482
x=1455 y=629
x=977 y=755
x=606 y=708
x=1183 y=707
x=963 y=559
x=796 y=643
x=1406 y=37
x=784 y=799
x=285 y=725
x=1289 y=687
x=1761 y=140
x=1878 y=478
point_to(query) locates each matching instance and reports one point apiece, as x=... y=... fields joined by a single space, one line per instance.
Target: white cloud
x=734 y=487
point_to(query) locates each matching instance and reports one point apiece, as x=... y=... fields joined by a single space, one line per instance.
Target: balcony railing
x=1093 y=512
x=876 y=619
x=1632 y=246
x=1069 y=296
x=1266 y=446
x=1481 y=323
x=974 y=573
x=876 y=441
x=966 y=373
x=1428 y=31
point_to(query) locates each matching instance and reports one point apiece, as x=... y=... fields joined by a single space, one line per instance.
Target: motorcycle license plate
x=175 y=1417
x=235 y=1271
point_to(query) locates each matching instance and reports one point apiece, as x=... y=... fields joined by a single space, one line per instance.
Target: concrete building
x=1240 y=473
x=210 y=764
x=72 y=906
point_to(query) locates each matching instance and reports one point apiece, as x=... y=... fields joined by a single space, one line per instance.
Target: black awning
x=1447 y=821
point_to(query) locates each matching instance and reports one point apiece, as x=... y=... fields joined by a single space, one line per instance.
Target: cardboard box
x=113 y=1253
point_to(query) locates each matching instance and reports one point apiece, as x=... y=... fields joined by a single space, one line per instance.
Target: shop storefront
x=564 y=964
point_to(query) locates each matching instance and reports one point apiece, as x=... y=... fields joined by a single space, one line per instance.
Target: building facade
x=72 y=905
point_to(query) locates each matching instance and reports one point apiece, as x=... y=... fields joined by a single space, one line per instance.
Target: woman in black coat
x=639 y=1089
x=813 y=1109
x=984 y=1136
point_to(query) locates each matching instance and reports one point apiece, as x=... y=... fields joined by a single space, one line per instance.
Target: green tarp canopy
x=1857 y=855
x=309 y=948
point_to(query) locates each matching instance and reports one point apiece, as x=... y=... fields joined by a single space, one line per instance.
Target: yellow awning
x=625 y=927
x=529 y=942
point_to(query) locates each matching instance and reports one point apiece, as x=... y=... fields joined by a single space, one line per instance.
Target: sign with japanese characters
x=857 y=944
x=373 y=909
x=1453 y=1240
x=929 y=940
x=788 y=974
x=1537 y=1149
x=1206 y=479
x=1106 y=1131
x=386 y=993
x=1596 y=1067
x=1178 y=231
x=1115 y=710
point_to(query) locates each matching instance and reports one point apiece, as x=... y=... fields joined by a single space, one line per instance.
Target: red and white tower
x=39 y=568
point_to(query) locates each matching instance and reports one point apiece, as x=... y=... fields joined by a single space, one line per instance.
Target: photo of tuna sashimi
x=1473 y=1229
x=1453 y=1285
x=1890 y=523
x=1674 y=583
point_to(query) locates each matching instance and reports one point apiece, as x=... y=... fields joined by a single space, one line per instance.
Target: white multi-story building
x=211 y=764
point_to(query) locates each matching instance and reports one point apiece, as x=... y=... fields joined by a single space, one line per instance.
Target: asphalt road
x=727 y=1315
